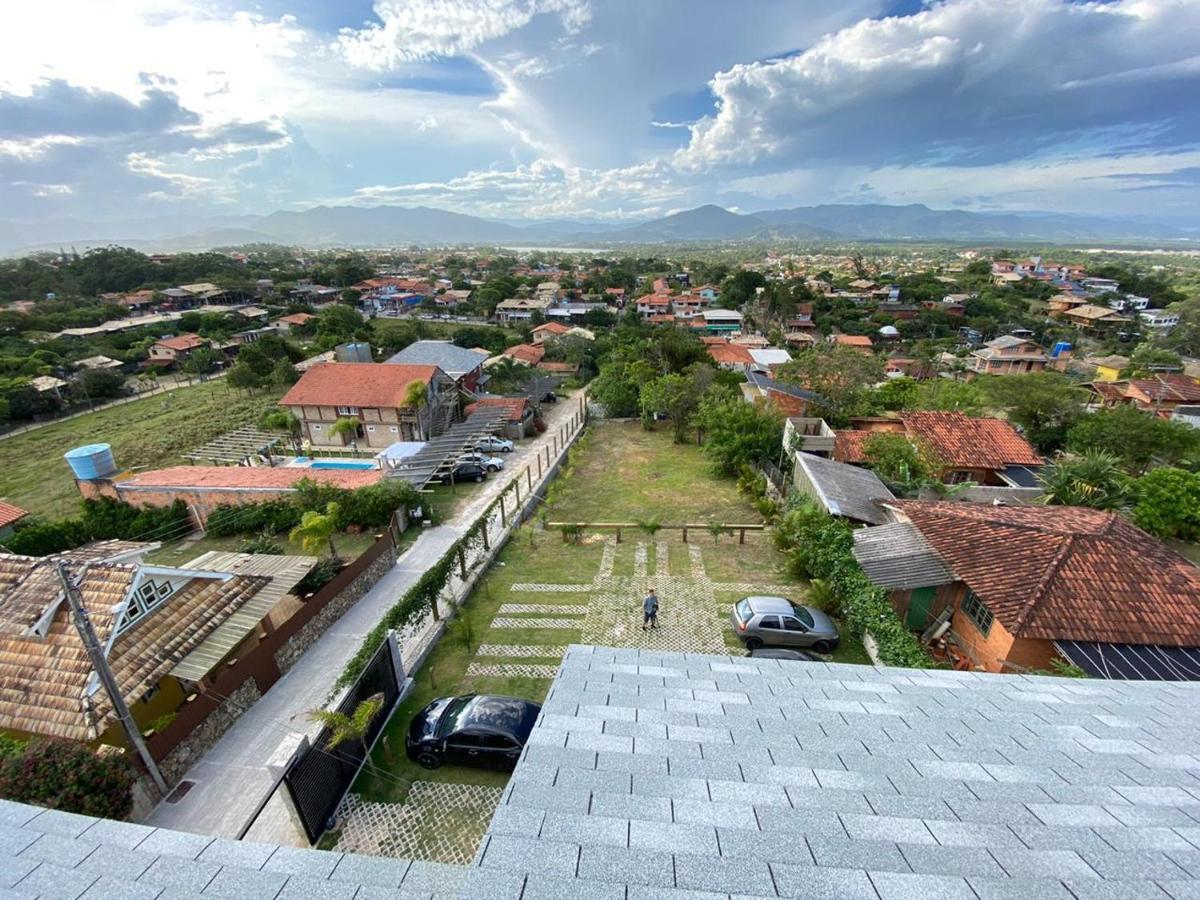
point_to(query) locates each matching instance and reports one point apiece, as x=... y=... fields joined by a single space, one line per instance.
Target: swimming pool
x=341 y=464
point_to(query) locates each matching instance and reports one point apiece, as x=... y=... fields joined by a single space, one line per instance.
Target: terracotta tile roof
x=1091 y=313
x=1060 y=572
x=526 y=353
x=562 y=367
x=10 y=514
x=730 y=354
x=1178 y=388
x=296 y=318
x=852 y=340
x=959 y=440
x=661 y=319
x=233 y=477
x=372 y=385
x=1108 y=390
x=182 y=342
x=44 y=675
x=552 y=328
x=515 y=405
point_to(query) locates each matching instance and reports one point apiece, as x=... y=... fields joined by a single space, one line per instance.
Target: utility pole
x=100 y=665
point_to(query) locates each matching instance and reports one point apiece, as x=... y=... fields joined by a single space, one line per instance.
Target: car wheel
x=428 y=761
x=478 y=478
x=754 y=644
x=821 y=647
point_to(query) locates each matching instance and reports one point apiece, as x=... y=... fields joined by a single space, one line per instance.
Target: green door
x=918 y=608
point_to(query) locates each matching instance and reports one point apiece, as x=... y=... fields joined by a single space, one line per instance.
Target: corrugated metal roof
x=284 y=571
x=898 y=556
x=846 y=490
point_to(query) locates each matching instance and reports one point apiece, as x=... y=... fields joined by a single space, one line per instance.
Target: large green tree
x=841 y=377
x=1139 y=439
x=737 y=433
x=1168 y=504
x=1045 y=404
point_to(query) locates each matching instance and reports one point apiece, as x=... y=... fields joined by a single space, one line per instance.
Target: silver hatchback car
x=778 y=622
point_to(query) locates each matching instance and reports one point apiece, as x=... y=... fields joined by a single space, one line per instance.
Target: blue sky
x=597 y=109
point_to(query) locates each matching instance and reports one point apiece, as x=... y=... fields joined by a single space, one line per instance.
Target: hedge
x=367 y=507
x=820 y=546
x=103 y=519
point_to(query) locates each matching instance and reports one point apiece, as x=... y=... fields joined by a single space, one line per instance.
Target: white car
x=491 y=463
x=493 y=444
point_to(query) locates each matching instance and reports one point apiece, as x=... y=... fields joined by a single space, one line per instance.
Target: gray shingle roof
x=845 y=490
x=56 y=854
x=898 y=556
x=667 y=775
x=455 y=361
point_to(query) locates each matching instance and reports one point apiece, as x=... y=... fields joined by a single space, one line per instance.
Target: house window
x=977 y=612
x=149 y=596
x=347 y=410
x=393 y=429
x=370 y=428
x=958 y=476
x=316 y=428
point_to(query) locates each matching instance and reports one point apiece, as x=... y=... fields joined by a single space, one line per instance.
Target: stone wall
x=292 y=649
x=207 y=733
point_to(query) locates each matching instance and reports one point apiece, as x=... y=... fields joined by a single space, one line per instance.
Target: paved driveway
x=232 y=779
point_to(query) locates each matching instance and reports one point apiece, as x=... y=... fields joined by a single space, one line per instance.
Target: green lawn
x=627 y=474
x=622 y=474
x=149 y=433
x=176 y=553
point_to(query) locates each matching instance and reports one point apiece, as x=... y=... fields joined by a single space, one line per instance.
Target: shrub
x=69 y=776
x=820 y=547
x=272 y=516
x=263 y=542
x=319 y=575
x=103 y=519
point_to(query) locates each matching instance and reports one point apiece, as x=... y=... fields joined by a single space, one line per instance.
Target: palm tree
x=351 y=727
x=345 y=426
x=316 y=529
x=416 y=396
x=1093 y=478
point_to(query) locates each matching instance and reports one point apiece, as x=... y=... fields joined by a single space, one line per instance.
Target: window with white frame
x=976 y=610
x=347 y=410
x=149 y=595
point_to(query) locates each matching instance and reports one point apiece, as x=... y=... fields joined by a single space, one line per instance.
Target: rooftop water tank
x=355 y=352
x=91 y=461
x=1059 y=349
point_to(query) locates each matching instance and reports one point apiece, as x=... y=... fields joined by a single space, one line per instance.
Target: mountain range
x=390 y=226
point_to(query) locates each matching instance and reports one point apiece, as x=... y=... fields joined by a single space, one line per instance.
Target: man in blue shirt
x=650 y=608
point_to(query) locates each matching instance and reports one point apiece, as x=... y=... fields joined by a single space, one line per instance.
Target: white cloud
x=422 y=29
x=542 y=190
x=963 y=80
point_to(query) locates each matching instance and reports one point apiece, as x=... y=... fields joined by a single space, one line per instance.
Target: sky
x=604 y=110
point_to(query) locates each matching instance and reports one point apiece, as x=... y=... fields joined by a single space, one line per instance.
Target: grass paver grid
x=543 y=594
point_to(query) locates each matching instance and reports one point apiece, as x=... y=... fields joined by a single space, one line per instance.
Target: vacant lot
x=148 y=433
x=543 y=594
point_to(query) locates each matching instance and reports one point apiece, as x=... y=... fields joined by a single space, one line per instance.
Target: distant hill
x=387 y=226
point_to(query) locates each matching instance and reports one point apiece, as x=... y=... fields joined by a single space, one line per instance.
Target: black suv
x=466 y=471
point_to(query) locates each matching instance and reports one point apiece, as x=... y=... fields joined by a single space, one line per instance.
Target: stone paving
x=511 y=670
x=440 y=822
x=690 y=619
x=530 y=650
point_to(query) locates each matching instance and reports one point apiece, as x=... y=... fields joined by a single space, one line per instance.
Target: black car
x=550 y=397
x=783 y=653
x=465 y=471
x=473 y=730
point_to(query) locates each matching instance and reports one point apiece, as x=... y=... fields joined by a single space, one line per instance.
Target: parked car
x=783 y=653
x=493 y=444
x=491 y=463
x=464 y=471
x=778 y=622
x=487 y=732
x=549 y=397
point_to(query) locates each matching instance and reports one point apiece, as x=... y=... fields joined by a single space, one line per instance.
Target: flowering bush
x=69 y=776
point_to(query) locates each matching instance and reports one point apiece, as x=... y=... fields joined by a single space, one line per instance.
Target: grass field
x=148 y=433
x=622 y=474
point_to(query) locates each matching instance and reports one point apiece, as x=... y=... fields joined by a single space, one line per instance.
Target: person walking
x=650 y=609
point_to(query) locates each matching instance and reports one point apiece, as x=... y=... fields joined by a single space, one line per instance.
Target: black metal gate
x=320 y=778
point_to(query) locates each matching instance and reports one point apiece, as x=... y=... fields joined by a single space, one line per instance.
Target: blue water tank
x=355 y=351
x=1060 y=348
x=91 y=461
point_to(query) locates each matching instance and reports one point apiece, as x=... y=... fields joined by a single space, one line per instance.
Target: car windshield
x=743 y=610
x=455 y=715
x=803 y=615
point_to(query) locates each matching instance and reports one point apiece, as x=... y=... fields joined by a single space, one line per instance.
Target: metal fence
x=320 y=778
